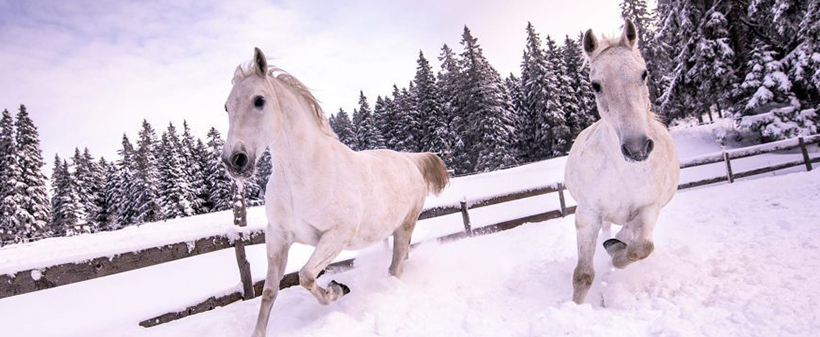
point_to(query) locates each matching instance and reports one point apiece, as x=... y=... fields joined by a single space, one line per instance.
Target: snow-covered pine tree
x=106 y=202
x=87 y=177
x=383 y=116
x=356 y=121
x=434 y=124
x=559 y=136
x=484 y=101
x=448 y=81
x=31 y=186
x=405 y=122
x=120 y=195
x=68 y=216
x=713 y=73
x=192 y=168
x=513 y=85
x=10 y=229
x=175 y=194
x=367 y=135
x=264 y=168
x=145 y=188
x=768 y=104
x=537 y=82
x=586 y=112
x=344 y=129
x=219 y=184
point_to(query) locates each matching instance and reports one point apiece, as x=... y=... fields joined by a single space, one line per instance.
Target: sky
x=89 y=71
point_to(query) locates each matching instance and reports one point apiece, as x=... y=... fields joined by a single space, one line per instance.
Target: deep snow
x=521 y=273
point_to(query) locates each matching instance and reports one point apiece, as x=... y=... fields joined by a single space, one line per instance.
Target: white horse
x=624 y=168
x=321 y=193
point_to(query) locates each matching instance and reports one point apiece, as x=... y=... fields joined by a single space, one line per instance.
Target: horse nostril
x=239 y=160
x=625 y=151
x=649 y=146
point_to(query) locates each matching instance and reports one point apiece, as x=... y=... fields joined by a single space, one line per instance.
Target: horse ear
x=630 y=35
x=260 y=61
x=590 y=42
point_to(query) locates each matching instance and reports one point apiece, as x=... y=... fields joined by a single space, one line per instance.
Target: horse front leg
x=587 y=226
x=277 y=260
x=329 y=246
x=634 y=242
x=401 y=246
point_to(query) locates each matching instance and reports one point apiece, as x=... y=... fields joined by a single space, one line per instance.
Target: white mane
x=247 y=69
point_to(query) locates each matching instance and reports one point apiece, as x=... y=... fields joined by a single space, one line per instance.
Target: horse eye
x=259 y=101
x=643 y=75
x=596 y=86
x=226 y=108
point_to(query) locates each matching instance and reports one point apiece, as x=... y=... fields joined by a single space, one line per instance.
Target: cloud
x=89 y=71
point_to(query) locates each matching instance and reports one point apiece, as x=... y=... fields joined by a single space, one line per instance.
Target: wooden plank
x=439 y=211
x=240 y=219
x=769 y=169
x=561 y=199
x=805 y=151
x=702 y=160
x=22 y=282
x=512 y=196
x=702 y=182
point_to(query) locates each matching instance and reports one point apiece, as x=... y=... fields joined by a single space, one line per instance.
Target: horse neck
x=301 y=141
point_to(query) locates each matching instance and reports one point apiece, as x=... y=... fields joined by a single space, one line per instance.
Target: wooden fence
x=25 y=281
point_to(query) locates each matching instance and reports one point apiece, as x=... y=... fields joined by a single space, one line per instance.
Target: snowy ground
x=514 y=283
x=730 y=260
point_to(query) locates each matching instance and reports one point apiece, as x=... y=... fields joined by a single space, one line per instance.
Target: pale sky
x=90 y=70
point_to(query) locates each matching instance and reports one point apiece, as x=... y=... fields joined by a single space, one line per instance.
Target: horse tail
x=433 y=170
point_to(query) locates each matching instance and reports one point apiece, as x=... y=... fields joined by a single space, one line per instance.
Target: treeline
x=755 y=60
x=473 y=118
x=173 y=176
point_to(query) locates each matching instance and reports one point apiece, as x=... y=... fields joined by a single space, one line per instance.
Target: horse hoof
x=613 y=245
x=345 y=289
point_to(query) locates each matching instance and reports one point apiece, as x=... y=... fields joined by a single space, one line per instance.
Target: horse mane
x=247 y=69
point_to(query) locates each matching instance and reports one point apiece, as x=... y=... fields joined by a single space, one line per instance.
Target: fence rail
x=43 y=278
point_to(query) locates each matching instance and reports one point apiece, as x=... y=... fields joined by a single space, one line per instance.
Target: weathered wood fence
x=43 y=278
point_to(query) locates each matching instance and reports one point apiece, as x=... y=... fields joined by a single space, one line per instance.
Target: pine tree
x=88 y=179
x=191 y=167
x=201 y=156
x=584 y=111
x=175 y=195
x=10 y=229
x=219 y=184
x=561 y=102
x=68 y=216
x=368 y=135
x=483 y=99
x=121 y=197
x=513 y=85
x=538 y=81
x=106 y=200
x=449 y=79
x=384 y=117
x=344 y=129
x=264 y=169
x=145 y=189
x=435 y=132
x=31 y=186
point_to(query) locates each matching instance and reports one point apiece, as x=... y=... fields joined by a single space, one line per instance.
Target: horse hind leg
x=401 y=246
x=329 y=246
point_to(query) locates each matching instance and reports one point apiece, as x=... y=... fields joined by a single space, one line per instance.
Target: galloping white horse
x=321 y=192
x=624 y=168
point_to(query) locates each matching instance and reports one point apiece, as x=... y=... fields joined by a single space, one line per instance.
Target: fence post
x=466 y=218
x=805 y=153
x=561 y=199
x=240 y=218
x=728 y=167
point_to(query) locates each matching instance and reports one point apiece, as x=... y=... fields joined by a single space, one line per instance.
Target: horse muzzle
x=637 y=149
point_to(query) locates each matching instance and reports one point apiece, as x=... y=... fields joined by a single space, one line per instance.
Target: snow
x=730 y=259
